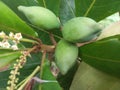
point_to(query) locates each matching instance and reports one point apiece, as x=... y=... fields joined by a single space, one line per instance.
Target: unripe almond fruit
x=80 y=29
x=65 y=55
x=41 y=17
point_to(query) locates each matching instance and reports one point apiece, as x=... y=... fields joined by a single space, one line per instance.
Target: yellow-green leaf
x=9 y=21
x=8 y=57
x=89 y=78
x=47 y=75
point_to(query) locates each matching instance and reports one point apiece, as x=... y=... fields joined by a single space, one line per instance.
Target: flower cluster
x=10 y=41
x=15 y=72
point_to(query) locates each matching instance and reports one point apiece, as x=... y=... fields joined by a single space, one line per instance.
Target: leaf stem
x=29 y=40
x=42 y=62
x=52 y=39
x=29 y=78
x=23 y=39
x=21 y=82
x=44 y=31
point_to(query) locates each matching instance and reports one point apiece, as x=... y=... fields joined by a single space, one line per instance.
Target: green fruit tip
x=20 y=8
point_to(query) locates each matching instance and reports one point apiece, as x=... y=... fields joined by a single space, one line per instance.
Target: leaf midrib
x=7 y=54
x=90 y=7
x=101 y=59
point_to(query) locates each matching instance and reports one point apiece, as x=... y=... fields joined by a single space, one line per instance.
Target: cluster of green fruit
x=76 y=30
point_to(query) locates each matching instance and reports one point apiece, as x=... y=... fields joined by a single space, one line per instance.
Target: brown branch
x=52 y=39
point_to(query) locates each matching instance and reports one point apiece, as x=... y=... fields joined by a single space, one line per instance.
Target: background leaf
x=3 y=50
x=8 y=57
x=97 y=9
x=11 y=22
x=89 y=78
x=13 y=4
x=103 y=55
x=66 y=10
x=47 y=75
x=66 y=80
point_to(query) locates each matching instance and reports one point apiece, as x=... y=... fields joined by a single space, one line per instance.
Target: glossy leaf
x=89 y=78
x=49 y=4
x=9 y=21
x=8 y=57
x=66 y=10
x=97 y=9
x=103 y=55
x=62 y=8
x=66 y=80
x=47 y=75
x=13 y=4
x=3 y=50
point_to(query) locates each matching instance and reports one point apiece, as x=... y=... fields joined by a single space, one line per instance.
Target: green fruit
x=40 y=17
x=80 y=29
x=65 y=55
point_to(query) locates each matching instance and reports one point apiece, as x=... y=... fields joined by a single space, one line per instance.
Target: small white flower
x=2 y=33
x=18 y=36
x=11 y=34
x=14 y=47
x=5 y=45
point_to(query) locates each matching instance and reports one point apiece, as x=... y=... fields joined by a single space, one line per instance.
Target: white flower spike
x=11 y=34
x=6 y=45
x=14 y=47
x=18 y=36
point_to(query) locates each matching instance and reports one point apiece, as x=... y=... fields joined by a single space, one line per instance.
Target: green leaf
x=9 y=21
x=5 y=50
x=89 y=78
x=8 y=57
x=97 y=9
x=66 y=10
x=13 y=4
x=47 y=75
x=49 y=4
x=66 y=80
x=103 y=55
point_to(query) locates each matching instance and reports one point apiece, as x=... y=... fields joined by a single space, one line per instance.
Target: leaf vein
x=90 y=7
x=102 y=59
x=44 y=3
x=70 y=8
